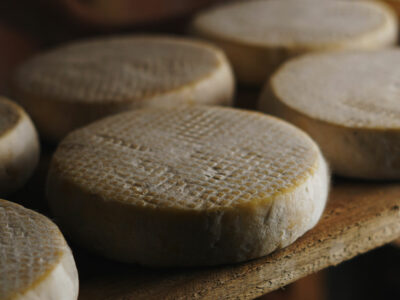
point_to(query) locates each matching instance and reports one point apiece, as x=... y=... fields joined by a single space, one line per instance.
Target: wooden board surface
x=359 y=216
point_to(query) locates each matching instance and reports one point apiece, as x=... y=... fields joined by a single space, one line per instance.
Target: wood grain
x=360 y=216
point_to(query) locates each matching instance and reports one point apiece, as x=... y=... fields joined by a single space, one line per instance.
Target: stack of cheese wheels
x=19 y=146
x=259 y=35
x=349 y=103
x=35 y=261
x=74 y=85
x=196 y=185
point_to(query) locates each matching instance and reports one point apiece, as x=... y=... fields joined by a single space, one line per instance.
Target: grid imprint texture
x=30 y=246
x=197 y=158
x=117 y=69
x=356 y=89
x=293 y=22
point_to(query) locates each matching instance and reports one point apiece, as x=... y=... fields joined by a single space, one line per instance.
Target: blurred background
x=28 y=27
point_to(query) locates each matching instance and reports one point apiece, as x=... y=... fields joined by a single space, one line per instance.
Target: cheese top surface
x=30 y=247
x=9 y=115
x=306 y=23
x=355 y=89
x=188 y=158
x=120 y=69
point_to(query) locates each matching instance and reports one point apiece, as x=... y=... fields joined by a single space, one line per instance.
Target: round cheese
x=187 y=186
x=35 y=261
x=349 y=104
x=259 y=35
x=76 y=84
x=19 y=147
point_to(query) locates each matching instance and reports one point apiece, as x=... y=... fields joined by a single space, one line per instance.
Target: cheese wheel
x=74 y=85
x=19 y=146
x=258 y=36
x=35 y=261
x=348 y=102
x=187 y=186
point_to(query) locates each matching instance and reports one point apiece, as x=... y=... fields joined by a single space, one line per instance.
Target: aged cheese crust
x=35 y=261
x=259 y=35
x=74 y=85
x=19 y=147
x=348 y=102
x=187 y=186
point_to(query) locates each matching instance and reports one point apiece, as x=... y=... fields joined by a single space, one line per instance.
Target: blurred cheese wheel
x=76 y=84
x=35 y=261
x=349 y=104
x=259 y=35
x=19 y=147
x=127 y=12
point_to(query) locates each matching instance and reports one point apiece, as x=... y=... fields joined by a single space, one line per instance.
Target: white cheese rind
x=74 y=85
x=260 y=35
x=347 y=102
x=35 y=261
x=19 y=149
x=106 y=207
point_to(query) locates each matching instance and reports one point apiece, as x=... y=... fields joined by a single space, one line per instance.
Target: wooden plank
x=358 y=218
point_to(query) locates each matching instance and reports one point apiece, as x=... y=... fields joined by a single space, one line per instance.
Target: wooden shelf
x=360 y=216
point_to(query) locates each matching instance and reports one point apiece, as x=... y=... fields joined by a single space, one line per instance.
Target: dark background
x=28 y=27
